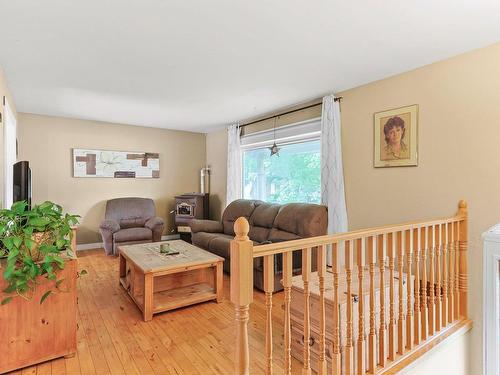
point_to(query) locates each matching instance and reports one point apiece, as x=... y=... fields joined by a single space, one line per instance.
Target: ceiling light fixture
x=274 y=148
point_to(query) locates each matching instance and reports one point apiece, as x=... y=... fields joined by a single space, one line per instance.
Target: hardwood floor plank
x=44 y=368
x=31 y=370
x=58 y=366
x=112 y=338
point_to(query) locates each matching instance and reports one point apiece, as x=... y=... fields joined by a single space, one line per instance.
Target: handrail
x=292 y=245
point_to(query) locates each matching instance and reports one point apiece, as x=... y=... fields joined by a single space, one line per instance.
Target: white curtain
x=233 y=191
x=9 y=140
x=332 y=174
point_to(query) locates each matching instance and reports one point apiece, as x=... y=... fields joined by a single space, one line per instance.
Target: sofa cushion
x=132 y=222
x=130 y=212
x=202 y=239
x=220 y=245
x=304 y=220
x=264 y=215
x=258 y=234
x=276 y=235
x=236 y=209
x=133 y=234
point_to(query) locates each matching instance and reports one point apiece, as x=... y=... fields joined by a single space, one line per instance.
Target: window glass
x=293 y=176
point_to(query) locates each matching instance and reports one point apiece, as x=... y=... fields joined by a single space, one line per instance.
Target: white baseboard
x=100 y=245
x=89 y=246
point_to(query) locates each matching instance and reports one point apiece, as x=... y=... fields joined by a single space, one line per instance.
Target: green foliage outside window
x=293 y=176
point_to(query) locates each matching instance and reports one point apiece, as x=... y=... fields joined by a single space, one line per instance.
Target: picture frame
x=92 y=163
x=396 y=137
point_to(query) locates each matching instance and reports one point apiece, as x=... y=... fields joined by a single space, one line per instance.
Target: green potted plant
x=36 y=243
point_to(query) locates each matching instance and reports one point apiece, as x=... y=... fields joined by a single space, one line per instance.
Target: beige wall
x=4 y=91
x=449 y=357
x=47 y=143
x=459 y=155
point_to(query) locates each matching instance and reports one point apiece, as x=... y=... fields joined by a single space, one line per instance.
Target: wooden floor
x=113 y=339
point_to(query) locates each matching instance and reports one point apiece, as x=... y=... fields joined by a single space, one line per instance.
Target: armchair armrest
x=110 y=225
x=210 y=226
x=154 y=222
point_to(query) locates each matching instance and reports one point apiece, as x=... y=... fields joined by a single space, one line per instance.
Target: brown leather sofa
x=269 y=223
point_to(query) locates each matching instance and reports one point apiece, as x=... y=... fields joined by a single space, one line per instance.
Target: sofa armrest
x=210 y=226
x=156 y=225
x=110 y=225
x=154 y=222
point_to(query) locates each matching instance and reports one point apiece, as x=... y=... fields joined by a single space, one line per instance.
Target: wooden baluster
x=424 y=232
x=457 y=257
x=432 y=252
x=451 y=285
x=242 y=291
x=416 y=250
x=336 y=362
x=361 y=352
x=306 y=277
x=391 y=252
x=438 y=277
x=349 y=359
x=463 y=271
x=287 y=286
x=268 y=289
x=401 y=317
x=321 y=260
x=444 y=305
x=409 y=290
x=372 y=337
x=382 y=251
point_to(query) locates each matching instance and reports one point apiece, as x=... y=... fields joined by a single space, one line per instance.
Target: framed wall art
x=115 y=164
x=395 y=137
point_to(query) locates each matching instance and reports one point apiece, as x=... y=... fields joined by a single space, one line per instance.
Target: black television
x=22 y=182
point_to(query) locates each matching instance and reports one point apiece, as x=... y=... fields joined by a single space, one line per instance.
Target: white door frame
x=491 y=301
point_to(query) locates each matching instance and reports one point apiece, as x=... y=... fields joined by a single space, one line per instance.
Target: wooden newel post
x=462 y=247
x=242 y=291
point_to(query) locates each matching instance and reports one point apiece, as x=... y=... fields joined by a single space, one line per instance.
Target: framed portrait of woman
x=395 y=136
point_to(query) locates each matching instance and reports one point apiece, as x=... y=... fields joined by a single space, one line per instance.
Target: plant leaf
x=29 y=243
x=17 y=241
x=39 y=221
x=45 y=295
x=6 y=301
x=19 y=207
x=7 y=241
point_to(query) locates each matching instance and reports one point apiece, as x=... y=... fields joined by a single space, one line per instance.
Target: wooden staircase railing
x=408 y=281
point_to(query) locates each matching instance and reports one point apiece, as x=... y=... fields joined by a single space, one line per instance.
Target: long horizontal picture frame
x=115 y=164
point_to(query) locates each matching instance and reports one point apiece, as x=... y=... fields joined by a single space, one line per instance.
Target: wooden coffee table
x=158 y=282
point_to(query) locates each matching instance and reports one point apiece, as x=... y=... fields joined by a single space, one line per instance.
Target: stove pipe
x=205 y=180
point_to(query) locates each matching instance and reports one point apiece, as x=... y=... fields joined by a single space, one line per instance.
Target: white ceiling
x=198 y=65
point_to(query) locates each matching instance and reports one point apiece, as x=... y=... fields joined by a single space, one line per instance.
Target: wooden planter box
x=31 y=332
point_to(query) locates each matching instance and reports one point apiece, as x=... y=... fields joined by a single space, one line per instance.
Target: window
x=293 y=176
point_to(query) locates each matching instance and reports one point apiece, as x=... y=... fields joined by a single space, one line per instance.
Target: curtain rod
x=337 y=99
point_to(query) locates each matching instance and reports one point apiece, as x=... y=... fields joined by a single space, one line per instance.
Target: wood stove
x=190 y=206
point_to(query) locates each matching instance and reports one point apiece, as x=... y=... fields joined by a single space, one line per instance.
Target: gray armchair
x=128 y=221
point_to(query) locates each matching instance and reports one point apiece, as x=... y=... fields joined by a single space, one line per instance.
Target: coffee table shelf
x=185 y=296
